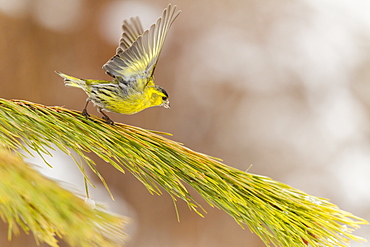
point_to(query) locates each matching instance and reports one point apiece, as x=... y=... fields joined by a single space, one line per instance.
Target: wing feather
x=132 y=29
x=139 y=59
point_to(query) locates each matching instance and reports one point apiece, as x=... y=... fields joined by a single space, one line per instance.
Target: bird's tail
x=72 y=81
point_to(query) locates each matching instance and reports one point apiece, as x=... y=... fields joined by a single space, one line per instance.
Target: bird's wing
x=132 y=29
x=140 y=58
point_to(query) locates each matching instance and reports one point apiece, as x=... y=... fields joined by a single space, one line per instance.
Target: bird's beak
x=166 y=104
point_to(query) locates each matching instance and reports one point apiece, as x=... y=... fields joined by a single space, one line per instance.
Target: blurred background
x=283 y=86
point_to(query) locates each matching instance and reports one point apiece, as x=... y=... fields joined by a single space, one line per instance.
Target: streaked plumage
x=132 y=89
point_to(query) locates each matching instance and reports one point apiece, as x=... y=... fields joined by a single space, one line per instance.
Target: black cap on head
x=162 y=90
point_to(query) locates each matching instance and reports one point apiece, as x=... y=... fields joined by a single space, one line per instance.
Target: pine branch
x=39 y=205
x=279 y=214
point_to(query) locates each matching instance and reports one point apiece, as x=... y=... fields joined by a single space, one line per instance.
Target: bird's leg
x=105 y=117
x=84 y=111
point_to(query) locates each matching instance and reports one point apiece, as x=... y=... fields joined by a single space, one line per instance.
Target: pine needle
x=37 y=204
x=279 y=214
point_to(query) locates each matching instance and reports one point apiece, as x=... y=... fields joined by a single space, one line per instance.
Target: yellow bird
x=132 y=88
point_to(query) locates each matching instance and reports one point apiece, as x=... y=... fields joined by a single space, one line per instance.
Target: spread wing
x=137 y=57
x=132 y=29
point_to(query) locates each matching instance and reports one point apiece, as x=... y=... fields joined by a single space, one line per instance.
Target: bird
x=132 y=88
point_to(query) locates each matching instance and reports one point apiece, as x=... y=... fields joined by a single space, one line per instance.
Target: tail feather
x=72 y=81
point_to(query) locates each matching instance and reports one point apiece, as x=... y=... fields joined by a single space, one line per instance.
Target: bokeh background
x=282 y=85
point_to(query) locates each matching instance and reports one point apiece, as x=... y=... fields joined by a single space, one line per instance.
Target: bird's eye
x=164 y=98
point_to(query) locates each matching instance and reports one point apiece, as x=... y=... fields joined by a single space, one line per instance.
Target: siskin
x=132 y=88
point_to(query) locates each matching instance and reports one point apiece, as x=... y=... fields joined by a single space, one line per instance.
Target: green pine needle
x=279 y=214
x=37 y=204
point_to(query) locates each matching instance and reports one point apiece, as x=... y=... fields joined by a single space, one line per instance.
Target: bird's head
x=159 y=97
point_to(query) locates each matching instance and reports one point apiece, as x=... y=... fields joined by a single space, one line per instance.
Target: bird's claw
x=108 y=120
x=85 y=113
